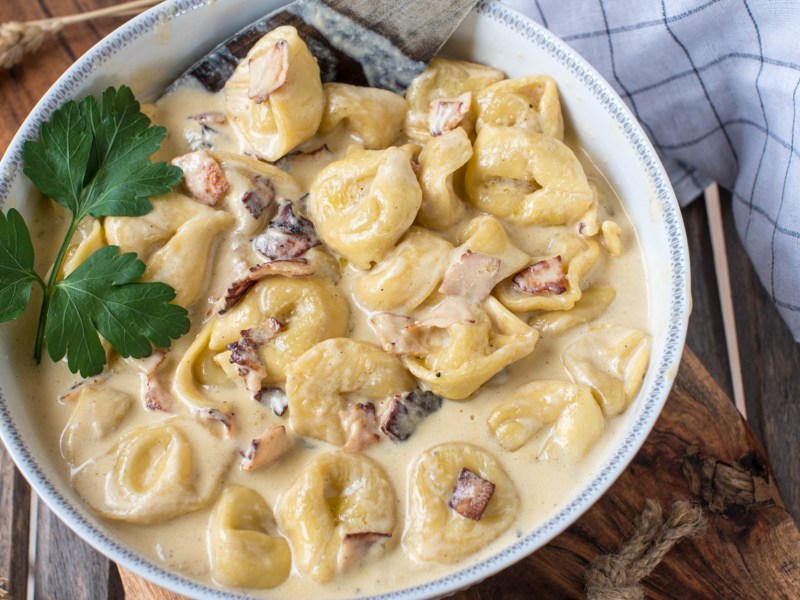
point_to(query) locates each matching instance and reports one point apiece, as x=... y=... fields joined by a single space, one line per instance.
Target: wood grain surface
x=67 y=568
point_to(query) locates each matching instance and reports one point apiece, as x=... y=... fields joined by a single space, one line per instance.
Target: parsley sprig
x=93 y=158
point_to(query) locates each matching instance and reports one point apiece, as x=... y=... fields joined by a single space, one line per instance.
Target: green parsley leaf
x=103 y=295
x=94 y=157
x=16 y=266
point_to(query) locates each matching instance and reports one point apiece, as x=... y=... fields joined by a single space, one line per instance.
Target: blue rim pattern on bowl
x=65 y=88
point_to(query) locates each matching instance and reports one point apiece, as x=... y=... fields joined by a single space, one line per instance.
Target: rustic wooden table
x=39 y=554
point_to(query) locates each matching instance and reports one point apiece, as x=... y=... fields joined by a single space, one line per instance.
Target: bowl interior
x=149 y=52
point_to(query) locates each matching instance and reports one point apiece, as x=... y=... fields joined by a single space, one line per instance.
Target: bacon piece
x=472 y=276
x=276 y=399
x=545 y=276
x=213 y=415
x=406 y=411
x=297 y=267
x=268 y=72
x=260 y=197
x=209 y=118
x=471 y=495
x=447 y=113
x=244 y=353
x=361 y=425
x=265 y=450
x=287 y=236
x=202 y=177
x=155 y=397
x=357 y=546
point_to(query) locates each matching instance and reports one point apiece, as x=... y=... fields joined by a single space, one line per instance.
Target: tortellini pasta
x=525 y=102
x=467 y=353
x=408 y=274
x=444 y=78
x=152 y=474
x=339 y=504
x=245 y=549
x=373 y=115
x=612 y=361
x=434 y=531
x=362 y=204
x=526 y=177
x=321 y=382
x=290 y=114
x=486 y=235
x=592 y=304
x=92 y=238
x=575 y=418
x=578 y=255
x=97 y=414
x=439 y=162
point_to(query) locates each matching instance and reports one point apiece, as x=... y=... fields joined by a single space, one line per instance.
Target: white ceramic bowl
x=150 y=51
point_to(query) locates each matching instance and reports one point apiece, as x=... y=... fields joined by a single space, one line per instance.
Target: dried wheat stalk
x=18 y=39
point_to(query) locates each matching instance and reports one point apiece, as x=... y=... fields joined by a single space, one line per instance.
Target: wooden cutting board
x=700 y=450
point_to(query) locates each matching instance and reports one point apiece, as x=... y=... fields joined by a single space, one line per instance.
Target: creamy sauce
x=181 y=543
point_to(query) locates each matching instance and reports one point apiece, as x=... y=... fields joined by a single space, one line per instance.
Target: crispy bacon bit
x=202 y=177
x=297 y=267
x=213 y=415
x=471 y=495
x=357 y=546
x=406 y=411
x=260 y=197
x=361 y=425
x=287 y=236
x=244 y=353
x=155 y=398
x=447 y=113
x=472 y=276
x=209 y=118
x=545 y=276
x=276 y=399
x=268 y=71
x=265 y=450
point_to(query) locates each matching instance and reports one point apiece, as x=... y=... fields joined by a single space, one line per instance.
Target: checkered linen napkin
x=715 y=84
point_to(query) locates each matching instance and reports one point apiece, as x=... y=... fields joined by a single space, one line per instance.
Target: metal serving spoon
x=381 y=44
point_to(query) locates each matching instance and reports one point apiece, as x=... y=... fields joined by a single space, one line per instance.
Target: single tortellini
x=612 y=360
x=526 y=177
x=361 y=205
x=592 y=304
x=439 y=162
x=408 y=274
x=526 y=102
x=152 y=474
x=486 y=235
x=146 y=234
x=577 y=257
x=373 y=115
x=245 y=549
x=274 y=98
x=340 y=511
x=323 y=380
x=92 y=237
x=183 y=262
x=570 y=410
x=97 y=414
x=466 y=353
x=444 y=78
x=435 y=531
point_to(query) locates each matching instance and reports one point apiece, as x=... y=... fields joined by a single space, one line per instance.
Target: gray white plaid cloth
x=715 y=84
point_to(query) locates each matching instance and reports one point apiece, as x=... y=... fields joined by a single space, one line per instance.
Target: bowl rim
x=665 y=371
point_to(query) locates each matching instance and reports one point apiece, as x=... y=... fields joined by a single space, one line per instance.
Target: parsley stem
x=48 y=290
